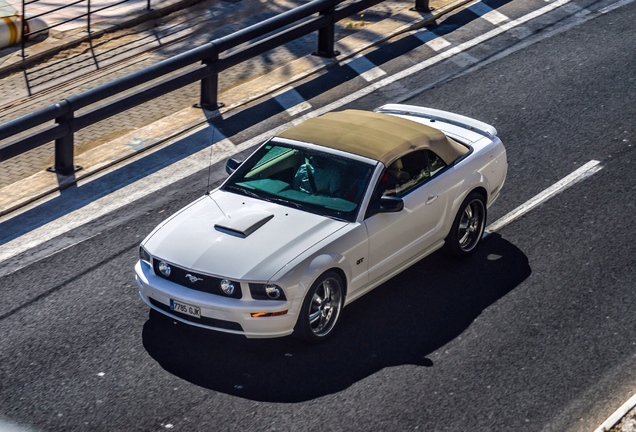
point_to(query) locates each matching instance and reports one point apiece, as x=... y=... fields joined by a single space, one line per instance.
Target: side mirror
x=388 y=204
x=231 y=165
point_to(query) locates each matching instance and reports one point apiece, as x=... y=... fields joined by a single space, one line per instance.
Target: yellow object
x=10 y=30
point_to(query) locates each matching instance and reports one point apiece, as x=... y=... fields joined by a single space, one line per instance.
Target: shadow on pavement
x=401 y=322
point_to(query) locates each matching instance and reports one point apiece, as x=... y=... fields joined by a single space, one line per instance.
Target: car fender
x=300 y=275
x=344 y=253
x=322 y=263
x=475 y=180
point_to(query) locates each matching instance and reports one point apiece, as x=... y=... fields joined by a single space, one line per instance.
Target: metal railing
x=208 y=60
x=26 y=33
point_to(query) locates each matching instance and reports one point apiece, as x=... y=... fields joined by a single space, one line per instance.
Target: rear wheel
x=468 y=227
x=321 y=308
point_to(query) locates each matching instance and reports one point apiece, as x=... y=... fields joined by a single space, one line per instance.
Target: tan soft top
x=381 y=137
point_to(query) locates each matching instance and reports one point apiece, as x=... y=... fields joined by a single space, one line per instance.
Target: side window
x=409 y=172
x=435 y=163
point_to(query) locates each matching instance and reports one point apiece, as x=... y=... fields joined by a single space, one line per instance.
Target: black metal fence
x=90 y=10
x=59 y=122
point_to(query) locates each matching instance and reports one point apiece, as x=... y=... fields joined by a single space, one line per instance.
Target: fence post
x=210 y=84
x=23 y=29
x=64 y=147
x=326 y=36
x=422 y=6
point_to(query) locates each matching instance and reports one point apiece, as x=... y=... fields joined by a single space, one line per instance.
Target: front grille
x=210 y=322
x=196 y=281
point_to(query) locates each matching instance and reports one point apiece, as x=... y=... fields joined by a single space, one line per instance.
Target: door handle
x=431 y=199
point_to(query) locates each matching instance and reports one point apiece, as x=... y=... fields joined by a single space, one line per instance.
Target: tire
x=468 y=227
x=321 y=308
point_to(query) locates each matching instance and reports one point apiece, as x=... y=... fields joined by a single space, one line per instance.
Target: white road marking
x=616 y=5
x=9 y=426
x=491 y=15
x=225 y=148
x=365 y=68
x=619 y=413
x=590 y=168
x=431 y=40
x=291 y=101
x=433 y=60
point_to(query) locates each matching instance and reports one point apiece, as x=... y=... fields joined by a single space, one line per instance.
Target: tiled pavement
x=70 y=17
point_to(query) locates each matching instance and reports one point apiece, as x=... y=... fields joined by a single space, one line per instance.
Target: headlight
x=227 y=287
x=144 y=255
x=267 y=292
x=273 y=291
x=164 y=268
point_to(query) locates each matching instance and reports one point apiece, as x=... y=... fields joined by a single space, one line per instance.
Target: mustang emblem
x=192 y=278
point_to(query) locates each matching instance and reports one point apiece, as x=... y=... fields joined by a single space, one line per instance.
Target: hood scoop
x=243 y=222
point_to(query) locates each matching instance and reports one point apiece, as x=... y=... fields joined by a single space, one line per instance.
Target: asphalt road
x=534 y=332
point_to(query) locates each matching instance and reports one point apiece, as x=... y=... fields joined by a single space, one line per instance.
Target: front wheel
x=321 y=308
x=468 y=227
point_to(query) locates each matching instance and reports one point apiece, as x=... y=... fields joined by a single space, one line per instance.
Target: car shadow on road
x=401 y=322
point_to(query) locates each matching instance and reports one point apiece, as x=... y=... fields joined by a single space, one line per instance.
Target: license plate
x=184 y=308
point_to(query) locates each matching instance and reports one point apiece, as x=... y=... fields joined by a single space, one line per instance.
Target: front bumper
x=218 y=313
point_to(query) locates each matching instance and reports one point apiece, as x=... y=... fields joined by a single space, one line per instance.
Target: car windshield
x=307 y=179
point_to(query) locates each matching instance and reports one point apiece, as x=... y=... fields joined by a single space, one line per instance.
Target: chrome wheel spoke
x=324 y=307
x=465 y=226
x=314 y=317
x=470 y=225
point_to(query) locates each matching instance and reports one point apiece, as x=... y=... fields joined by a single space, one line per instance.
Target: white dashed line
x=366 y=68
x=489 y=14
x=590 y=168
x=292 y=102
x=431 y=40
x=616 y=5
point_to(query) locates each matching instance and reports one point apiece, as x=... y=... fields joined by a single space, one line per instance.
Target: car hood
x=237 y=237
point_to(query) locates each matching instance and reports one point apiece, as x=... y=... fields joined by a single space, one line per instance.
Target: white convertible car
x=320 y=215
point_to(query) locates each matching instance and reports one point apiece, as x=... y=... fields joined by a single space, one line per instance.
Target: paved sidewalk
x=69 y=17
x=69 y=28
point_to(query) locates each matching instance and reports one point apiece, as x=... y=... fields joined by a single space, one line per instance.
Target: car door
x=396 y=239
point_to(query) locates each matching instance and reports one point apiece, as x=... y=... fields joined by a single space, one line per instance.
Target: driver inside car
x=318 y=175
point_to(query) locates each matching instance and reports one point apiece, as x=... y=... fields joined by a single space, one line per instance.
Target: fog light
x=227 y=287
x=164 y=268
